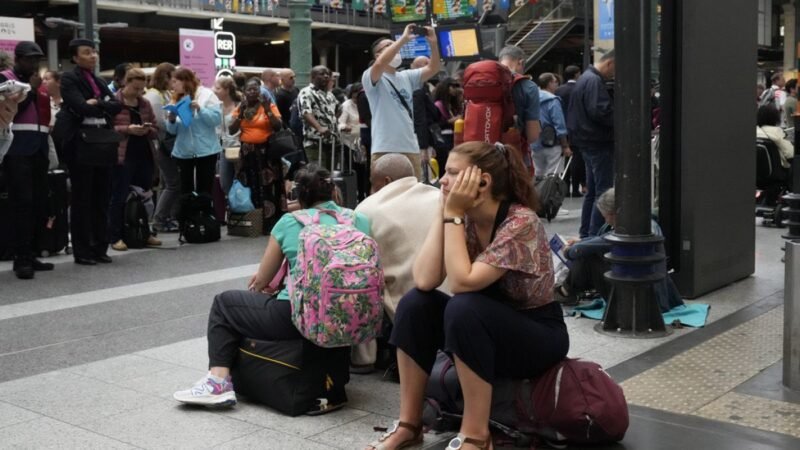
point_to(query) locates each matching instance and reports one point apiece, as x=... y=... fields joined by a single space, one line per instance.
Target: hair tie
x=500 y=147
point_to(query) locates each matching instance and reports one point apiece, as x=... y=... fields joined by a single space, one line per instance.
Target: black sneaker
x=23 y=269
x=40 y=266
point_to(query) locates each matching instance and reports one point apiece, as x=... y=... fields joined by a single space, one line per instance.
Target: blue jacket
x=201 y=138
x=591 y=113
x=550 y=114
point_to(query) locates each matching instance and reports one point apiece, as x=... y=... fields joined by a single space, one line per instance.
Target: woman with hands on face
x=502 y=321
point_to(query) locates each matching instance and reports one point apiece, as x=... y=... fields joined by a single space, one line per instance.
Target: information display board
x=417 y=47
x=459 y=42
x=455 y=10
x=406 y=11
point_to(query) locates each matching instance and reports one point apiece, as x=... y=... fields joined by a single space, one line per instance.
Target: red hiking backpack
x=489 y=115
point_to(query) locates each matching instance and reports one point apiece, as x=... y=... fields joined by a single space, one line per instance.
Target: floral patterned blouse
x=520 y=246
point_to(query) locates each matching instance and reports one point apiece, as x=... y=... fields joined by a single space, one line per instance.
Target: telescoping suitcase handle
x=334 y=140
x=566 y=168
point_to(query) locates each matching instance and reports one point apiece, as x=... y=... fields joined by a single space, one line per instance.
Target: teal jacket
x=201 y=138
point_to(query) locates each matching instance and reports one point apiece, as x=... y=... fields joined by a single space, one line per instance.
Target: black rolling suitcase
x=54 y=237
x=343 y=176
x=293 y=377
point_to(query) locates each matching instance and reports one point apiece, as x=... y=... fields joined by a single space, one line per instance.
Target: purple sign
x=13 y=30
x=197 y=54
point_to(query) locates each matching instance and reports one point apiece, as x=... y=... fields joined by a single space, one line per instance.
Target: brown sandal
x=458 y=442
x=415 y=440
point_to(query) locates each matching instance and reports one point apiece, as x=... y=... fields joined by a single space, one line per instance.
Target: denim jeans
x=599 y=178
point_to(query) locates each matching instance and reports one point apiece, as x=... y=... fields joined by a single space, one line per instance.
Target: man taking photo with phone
x=390 y=95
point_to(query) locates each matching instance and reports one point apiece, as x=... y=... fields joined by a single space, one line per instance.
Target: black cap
x=81 y=42
x=28 y=48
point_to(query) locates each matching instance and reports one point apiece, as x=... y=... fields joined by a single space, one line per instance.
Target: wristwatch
x=454 y=220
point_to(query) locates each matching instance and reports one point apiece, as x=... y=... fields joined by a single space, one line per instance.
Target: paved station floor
x=90 y=357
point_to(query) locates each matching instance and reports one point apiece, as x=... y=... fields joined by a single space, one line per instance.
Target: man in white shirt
x=390 y=95
x=400 y=210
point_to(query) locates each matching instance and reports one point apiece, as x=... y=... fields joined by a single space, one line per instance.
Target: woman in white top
x=225 y=89
x=51 y=80
x=166 y=213
x=768 y=127
x=348 y=120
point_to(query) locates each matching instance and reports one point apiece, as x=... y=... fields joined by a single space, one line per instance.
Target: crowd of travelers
x=465 y=262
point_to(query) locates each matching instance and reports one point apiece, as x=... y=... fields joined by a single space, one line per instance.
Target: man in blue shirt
x=525 y=95
x=390 y=95
x=272 y=81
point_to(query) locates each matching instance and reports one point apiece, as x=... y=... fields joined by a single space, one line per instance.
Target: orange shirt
x=257 y=130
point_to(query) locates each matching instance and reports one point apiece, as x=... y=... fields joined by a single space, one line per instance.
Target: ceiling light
x=277 y=42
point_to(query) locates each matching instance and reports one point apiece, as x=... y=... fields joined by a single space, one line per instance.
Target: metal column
x=636 y=258
x=791 y=318
x=300 y=40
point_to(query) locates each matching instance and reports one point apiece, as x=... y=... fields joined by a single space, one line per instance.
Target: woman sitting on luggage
x=502 y=321
x=263 y=316
x=258 y=118
x=768 y=127
x=135 y=166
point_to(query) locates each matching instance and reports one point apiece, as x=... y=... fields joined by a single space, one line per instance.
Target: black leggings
x=239 y=314
x=205 y=166
x=492 y=338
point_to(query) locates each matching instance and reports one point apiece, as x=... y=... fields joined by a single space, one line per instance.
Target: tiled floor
x=125 y=401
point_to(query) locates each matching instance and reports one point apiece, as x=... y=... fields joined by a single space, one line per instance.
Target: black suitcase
x=293 y=377
x=54 y=237
x=344 y=176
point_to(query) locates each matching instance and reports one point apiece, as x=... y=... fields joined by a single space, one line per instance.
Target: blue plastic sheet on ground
x=690 y=315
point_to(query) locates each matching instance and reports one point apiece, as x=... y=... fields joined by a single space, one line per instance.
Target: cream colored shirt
x=400 y=215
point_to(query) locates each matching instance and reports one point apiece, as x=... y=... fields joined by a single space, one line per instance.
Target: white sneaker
x=563 y=212
x=208 y=392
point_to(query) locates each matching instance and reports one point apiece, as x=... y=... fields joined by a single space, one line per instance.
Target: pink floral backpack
x=336 y=284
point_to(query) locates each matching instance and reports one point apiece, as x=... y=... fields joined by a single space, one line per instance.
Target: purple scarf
x=90 y=78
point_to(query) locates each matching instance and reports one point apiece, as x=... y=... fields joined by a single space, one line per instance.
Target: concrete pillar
x=300 y=40
x=789 y=41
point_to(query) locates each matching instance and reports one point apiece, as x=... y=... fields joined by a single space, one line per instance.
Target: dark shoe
x=85 y=261
x=565 y=298
x=40 y=266
x=105 y=259
x=23 y=269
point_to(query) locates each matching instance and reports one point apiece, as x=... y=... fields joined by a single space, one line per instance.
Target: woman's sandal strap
x=479 y=443
x=416 y=429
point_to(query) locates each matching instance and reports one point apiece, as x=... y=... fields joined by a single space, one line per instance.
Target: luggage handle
x=566 y=168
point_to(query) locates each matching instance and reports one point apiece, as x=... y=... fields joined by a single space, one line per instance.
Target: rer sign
x=224 y=44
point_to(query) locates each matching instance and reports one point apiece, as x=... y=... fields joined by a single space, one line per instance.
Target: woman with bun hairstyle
x=501 y=321
x=261 y=314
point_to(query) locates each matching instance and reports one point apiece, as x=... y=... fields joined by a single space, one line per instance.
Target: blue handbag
x=239 y=198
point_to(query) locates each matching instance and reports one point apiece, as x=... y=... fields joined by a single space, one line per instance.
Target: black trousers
x=91 y=195
x=27 y=197
x=576 y=175
x=204 y=168
x=587 y=273
x=492 y=338
x=239 y=314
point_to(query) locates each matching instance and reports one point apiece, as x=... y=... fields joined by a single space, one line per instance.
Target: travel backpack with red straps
x=489 y=115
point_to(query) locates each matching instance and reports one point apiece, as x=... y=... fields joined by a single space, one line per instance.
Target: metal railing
x=540 y=12
x=277 y=9
x=565 y=10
